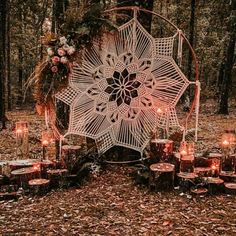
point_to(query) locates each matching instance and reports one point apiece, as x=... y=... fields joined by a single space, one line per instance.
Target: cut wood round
x=203 y=171
x=161 y=176
x=70 y=155
x=228 y=163
x=187 y=163
x=23 y=175
x=230 y=188
x=228 y=176
x=215 y=185
x=161 y=149
x=57 y=177
x=199 y=191
x=39 y=186
x=18 y=164
x=186 y=180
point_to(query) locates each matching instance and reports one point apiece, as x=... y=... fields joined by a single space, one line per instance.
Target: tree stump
x=199 y=192
x=203 y=171
x=187 y=164
x=215 y=185
x=57 y=177
x=161 y=149
x=39 y=186
x=186 y=180
x=230 y=188
x=70 y=155
x=161 y=176
x=228 y=176
x=23 y=176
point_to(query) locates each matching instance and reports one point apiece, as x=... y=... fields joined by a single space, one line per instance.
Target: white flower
x=66 y=47
x=63 y=40
x=71 y=50
x=64 y=60
x=50 y=52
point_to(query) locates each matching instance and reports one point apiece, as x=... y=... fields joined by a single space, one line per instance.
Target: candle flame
x=45 y=142
x=225 y=142
x=19 y=131
x=183 y=152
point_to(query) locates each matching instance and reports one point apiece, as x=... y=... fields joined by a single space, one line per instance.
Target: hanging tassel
x=180 y=48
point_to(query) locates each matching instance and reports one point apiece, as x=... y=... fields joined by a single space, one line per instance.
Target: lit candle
x=226 y=143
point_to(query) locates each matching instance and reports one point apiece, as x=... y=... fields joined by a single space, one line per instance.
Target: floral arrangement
x=82 y=25
x=52 y=74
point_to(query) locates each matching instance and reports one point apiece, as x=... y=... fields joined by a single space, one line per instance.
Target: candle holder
x=47 y=140
x=22 y=139
x=228 y=161
x=186 y=157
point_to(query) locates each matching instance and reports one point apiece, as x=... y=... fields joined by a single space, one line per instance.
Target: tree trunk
x=144 y=18
x=8 y=60
x=191 y=37
x=225 y=74
x=3 y=16
x=59 y=8
x=20 y=76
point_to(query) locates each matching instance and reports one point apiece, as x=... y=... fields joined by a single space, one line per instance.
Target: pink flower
x=61 y=52
x=71 y=50
x=54 y=69
x=55 y=60
x=64 y=60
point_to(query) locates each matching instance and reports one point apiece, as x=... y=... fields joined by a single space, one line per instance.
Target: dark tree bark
x=20 y=76
x=225 y=73
x=62 y=111
x=8 y=59
x=191 y=36
x=59 y=7
x=144 y=18
x=3 y=16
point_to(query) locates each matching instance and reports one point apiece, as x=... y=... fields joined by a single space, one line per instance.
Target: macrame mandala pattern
x=127 y=85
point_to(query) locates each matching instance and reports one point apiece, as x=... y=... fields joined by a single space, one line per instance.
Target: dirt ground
x=110 y=203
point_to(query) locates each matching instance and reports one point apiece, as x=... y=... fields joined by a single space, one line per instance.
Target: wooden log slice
x=199 y=191
x=228 y=176
x=161 y=149
x=39 y=186
x=161 y=176
x=57 y=177
x=70 y=155
x=23 y=175
x=203 y=171
x=215 y=185
x=186 y=180
x=230 y=188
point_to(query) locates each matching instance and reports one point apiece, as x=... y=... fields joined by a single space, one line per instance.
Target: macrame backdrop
x=126 y=86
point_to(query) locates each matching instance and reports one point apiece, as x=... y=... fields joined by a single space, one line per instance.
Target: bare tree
x=225 y=74
x=3 y=16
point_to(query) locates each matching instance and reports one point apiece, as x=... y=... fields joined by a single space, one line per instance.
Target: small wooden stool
x=203 y=171
x=39 y=186
x=23 y=175
x=230 y=188
x=70 y=155
x=215 y=185
x=228 y=176
x=199 y=192
x=186 y=180
x=161 y=176
x=57 y=177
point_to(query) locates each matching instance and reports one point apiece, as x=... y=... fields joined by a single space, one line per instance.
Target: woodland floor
x=110 y=203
